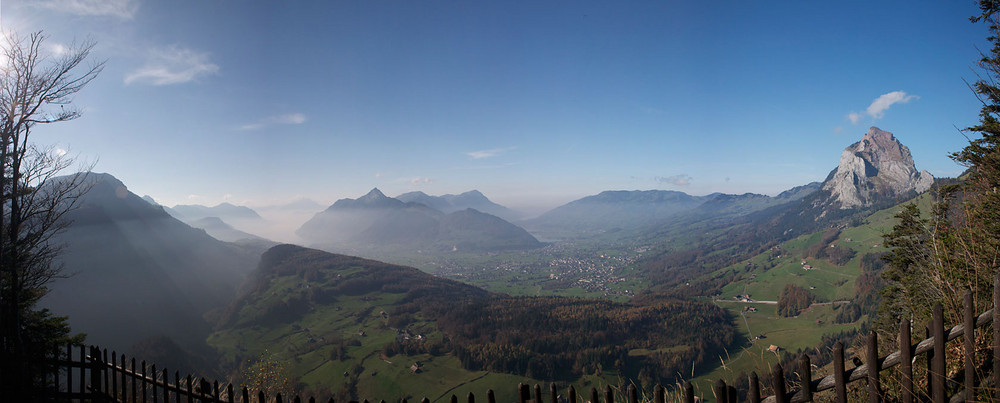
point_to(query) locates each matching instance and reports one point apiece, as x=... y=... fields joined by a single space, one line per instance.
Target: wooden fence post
x=491 y=397
x=609 y=396
x=113 y=375
x=778 y=382
x=96 y=370
x=805 y=377
x=633 y=394
x=166 y=387
x=720 y=391
x=688 y=392
x=754 y=394
x=593 y=395
x=939 y=355
x=152 y=378
x=906 y=361
x=83 y=371
x=122 y=372
x=572 y=395
x=471 y=398
x=969 y=317
x=142 y=379
x=107 y=371
x=523 y=395
x=538 y=394
x=839 y=372
x=874 y=387
x=554 y=394
x=659 y=394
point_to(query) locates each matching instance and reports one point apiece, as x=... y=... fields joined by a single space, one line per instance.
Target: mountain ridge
x=376 y=220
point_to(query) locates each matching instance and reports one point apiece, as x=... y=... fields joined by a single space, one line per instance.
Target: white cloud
x=115 y=8
x=60 y=152
x=881 y=104
x=287 y=119
x=677 y=180
x=173 y=65
x=878 y=107
x=487 y=153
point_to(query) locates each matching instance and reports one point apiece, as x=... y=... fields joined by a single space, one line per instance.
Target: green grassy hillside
x=827 y=263
x=353 y=327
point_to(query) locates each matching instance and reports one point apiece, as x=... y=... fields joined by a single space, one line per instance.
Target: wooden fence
x=92 y=375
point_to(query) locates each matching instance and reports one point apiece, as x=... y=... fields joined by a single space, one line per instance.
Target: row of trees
x=936 y=255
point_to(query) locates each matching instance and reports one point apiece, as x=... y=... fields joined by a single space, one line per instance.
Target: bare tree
x=35 y=88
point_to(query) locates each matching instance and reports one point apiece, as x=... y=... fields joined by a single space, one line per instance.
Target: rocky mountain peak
x=373 y=195
x=877 y=167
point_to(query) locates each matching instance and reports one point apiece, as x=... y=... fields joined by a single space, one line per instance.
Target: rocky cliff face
x=876 y=167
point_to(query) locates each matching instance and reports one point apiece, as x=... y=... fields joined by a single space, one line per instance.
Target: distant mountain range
x=629 y=210
x=450 y=203
x=225 y=211
x=376 y=220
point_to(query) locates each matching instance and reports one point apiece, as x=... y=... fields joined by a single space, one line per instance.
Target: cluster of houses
x=743 y=298
x=806 y=266
x=406 y=335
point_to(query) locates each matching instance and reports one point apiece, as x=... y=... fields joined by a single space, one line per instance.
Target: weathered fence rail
x=89 y=374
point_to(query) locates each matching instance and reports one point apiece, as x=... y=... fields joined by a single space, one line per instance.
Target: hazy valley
x=660 y=266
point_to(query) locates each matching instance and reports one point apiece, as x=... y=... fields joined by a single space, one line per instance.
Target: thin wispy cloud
x=287 y=119
x=881 y=104
x=676 y=180
x=172 y=65
x=125 y=9
x=487 y=153
x=417 y=181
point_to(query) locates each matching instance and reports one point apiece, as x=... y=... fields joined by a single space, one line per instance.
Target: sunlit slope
x=765 y=275
x=827 y=263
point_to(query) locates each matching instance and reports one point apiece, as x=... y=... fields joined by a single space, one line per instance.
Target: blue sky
x=533 y=103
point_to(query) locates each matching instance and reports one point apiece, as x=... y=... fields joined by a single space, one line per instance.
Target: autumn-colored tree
x=269 y=375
